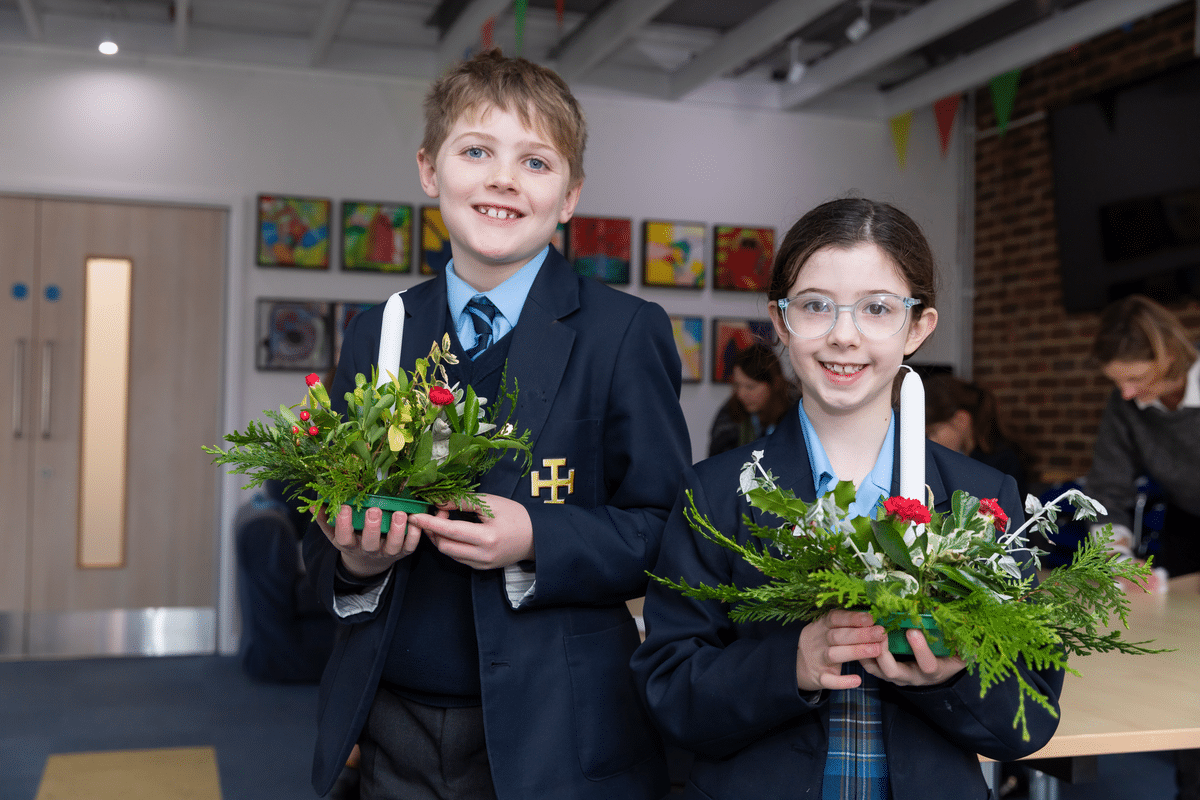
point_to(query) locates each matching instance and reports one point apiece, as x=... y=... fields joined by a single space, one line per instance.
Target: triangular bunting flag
x=900 y=125
x=560 y=8
x=487 y=32
x=946 y=110
x=519 y=8
x=1004 y=96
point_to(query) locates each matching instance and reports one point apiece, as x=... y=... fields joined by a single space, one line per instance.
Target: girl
x=823 y=710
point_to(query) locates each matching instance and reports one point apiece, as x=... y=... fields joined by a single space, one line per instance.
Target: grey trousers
x=411 y=751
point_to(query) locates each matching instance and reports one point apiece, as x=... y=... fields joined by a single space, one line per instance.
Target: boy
x=488 y=656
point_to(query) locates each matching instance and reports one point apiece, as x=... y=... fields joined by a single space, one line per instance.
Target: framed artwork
x=435 y=241
x=293 y=231
x=673 y=254
x=731 y=336
x=342 y=314
x=742 y=257
x=601 y=248
x=293 y=335
x=376 y=237
x=689 y=339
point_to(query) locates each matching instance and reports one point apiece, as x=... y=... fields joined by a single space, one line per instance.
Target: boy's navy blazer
x=727 y=691
x=598 y=376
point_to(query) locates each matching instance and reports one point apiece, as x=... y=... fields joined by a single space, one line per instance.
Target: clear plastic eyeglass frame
x=853 y=308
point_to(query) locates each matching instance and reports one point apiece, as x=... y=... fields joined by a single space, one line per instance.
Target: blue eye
x=474 y=152
x=536 y=163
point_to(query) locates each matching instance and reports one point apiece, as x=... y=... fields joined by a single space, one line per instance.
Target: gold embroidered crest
x=554 y=482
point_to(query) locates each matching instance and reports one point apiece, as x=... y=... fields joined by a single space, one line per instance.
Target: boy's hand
x=490 y=543
x=832 y=640
x=369 y=553
x=926 y=670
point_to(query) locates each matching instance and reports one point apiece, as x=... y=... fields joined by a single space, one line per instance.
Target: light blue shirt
x=875 y=487
x=508 y=298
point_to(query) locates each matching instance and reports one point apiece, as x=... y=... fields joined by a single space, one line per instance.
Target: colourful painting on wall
x=293 y=335
x=293 y=232
x=742 y=257
x=342 y=314
x=673 y=254
x=601 y=248
x=559 y=238
x=435 y=241
x=689 y=339
x=730 y=337
x=376 y=237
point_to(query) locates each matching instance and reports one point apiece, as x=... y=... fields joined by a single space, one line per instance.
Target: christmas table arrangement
x=410 y=435
x=957 y=574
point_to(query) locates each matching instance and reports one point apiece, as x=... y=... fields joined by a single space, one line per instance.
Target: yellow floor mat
x=178 y=773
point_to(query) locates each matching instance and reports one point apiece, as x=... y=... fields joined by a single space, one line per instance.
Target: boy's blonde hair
x=537 y=95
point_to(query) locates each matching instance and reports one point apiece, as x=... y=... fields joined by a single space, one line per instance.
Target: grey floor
x=263 y=733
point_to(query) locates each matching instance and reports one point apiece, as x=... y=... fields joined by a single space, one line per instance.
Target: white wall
x=162 y=130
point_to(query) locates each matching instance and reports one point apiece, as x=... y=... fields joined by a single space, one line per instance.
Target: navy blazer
x=598 y=376
x=728 y=691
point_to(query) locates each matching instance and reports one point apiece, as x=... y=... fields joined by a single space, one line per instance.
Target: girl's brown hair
x=1139 y=329
x=848 y=222
x=759 y=363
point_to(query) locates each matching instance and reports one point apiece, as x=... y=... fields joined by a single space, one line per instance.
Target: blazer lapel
x=539 y=352
x=422 y=329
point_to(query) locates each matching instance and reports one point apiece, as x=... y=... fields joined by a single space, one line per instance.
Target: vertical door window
x=108 y=285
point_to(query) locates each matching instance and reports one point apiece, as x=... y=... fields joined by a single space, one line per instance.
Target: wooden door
x=166 y=570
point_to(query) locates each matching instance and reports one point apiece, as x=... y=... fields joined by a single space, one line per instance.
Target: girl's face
x=753 y=395
x=843 y=373
x=1143 y=381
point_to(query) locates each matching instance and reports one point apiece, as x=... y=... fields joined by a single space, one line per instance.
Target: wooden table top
x=1125 y=704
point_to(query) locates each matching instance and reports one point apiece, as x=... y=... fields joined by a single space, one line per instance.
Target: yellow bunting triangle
x=900 y=125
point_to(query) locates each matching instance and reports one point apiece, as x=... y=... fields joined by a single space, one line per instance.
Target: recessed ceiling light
x=109 y=47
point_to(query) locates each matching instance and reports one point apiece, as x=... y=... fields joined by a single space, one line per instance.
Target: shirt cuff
x=354 y=596
x=520 y=581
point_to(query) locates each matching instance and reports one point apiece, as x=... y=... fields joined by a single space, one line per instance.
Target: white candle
x=912 y=436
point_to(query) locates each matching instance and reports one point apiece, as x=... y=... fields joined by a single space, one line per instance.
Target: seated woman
x=1151 y=426
x=962 y=416
x=760 y=397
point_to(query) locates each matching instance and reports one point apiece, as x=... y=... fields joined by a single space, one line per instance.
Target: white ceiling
x=735 y=51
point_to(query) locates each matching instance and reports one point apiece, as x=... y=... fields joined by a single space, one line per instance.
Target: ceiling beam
x=1028 y=46
x=761 y=32
x=333 y=14
x=33 y=22
x=917 y=28
x=183 y=12
x=603 y=32
x=465 y=30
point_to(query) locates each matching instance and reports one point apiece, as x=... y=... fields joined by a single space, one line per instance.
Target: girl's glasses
x=877 y=316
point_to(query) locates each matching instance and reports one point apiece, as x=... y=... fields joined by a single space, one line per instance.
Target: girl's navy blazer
x=728 y=691
x=598 y=375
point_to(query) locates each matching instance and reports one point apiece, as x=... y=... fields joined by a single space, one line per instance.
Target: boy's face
x=503 y=189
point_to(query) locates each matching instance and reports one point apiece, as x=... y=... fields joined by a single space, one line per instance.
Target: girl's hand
x=369 y=553
x=832 y=640
x=491 y=543
x=926 y=670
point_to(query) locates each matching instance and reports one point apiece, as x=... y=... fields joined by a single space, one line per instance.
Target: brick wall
x=1027 y=349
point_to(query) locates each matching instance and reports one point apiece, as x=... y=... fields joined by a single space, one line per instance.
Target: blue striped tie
x=482 y=313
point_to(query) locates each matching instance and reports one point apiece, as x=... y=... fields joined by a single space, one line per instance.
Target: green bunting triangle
x=1004 y=97
x=519 y=8
x=900 y=124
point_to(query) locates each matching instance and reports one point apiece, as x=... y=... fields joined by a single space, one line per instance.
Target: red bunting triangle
x=560 y=7
x=946 y=110
x=486 y=32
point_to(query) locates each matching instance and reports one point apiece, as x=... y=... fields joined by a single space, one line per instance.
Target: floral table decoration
x=411 y=435
x=958 y=574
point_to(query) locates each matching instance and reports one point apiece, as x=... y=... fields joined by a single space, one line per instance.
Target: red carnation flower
x=907 y=509
x=441 y=396
x=304 y=415
x=313 y=431
x=988 y=507
x=312 y=379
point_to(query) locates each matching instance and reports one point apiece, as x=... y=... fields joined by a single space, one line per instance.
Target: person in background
x=962 y=416
x=761 y=395
x=1150 y=427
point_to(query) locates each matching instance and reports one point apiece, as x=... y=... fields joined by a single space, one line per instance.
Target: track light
x=108 y=47
x=796 y=67
x=861 y=26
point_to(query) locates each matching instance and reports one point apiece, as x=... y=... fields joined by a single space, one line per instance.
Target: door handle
x=18 y=382
x=47 y=366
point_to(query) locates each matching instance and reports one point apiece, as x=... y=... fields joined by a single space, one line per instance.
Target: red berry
x=313 y=431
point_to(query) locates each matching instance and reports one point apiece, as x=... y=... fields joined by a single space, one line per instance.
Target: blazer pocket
x=613 y=733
